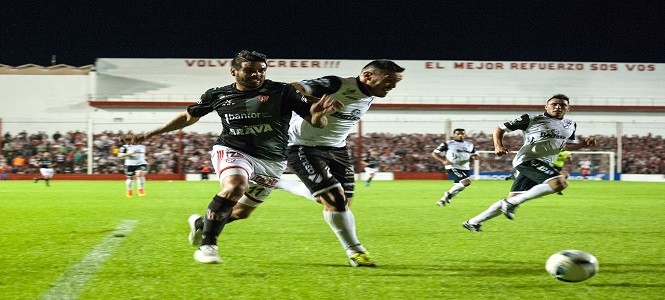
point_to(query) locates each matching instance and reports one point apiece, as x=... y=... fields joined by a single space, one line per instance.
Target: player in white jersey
x=545 y=135
x=319 y=156
x=136 y=167
x=457 y=156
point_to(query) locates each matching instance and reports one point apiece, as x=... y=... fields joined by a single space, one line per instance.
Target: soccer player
x=136 y=167
x=456 y=155
x=46 y=164
x=371 y=166
x=319 y=156
x=250 y=154
x=545 y=135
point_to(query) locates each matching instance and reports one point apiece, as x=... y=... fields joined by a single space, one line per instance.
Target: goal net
x=602 y=165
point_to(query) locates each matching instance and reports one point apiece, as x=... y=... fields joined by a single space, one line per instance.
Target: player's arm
x=309 y=91
x=182 y=120
x=589 y=142
x=441 y=158
x=497 y=137
x=318 y=111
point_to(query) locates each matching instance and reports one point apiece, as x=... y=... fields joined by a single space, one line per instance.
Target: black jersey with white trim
x=256 y=121
x=544 y=136
x=348 y=91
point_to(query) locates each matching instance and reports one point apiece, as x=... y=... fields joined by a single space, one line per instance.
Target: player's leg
x=330 y=176
x=233 y=181
x=140 y=179
x=130 y=172
x=370 y=175
x=295 y=187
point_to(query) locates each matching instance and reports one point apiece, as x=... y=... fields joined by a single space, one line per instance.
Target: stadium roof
x=32 y=69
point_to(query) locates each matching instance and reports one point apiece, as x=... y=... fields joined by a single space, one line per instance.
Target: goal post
x=493 y=167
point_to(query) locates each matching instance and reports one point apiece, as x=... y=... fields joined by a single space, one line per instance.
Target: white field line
x=72 y=283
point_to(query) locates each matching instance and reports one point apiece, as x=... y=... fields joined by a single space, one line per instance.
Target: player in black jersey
x=371 y=166
x=46 y=164
x=545 y=135
x=250 y=153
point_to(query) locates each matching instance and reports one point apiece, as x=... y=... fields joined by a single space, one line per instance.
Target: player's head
x=249 y=69
x=381 y=76
x=557 y=106
x=459 y=134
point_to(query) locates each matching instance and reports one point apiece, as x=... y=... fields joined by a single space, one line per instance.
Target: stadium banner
x=428 y=81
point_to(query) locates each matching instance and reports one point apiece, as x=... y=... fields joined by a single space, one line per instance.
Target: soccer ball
x=572 y=265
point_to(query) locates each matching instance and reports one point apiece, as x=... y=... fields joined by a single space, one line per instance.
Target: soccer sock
x=231 y=219
x=47 y=180
x=535 y=192
x=128 y=184
x=198 y=224
x=491 y=212
x=343 y=224
x=295 y=187
x=216 y=216
x=455 y=189
x=140 y=182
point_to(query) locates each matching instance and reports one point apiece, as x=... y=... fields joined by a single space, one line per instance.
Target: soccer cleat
x=194 y=233
x=560 y=193
x=36 y=180
x=207 y=254
x=129 y=193
x=508 y=209
x=471 y=227
x=360 y=259
x=142 y=192
x=444 y=200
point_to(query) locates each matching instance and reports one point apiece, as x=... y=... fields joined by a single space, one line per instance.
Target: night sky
x=587 y=31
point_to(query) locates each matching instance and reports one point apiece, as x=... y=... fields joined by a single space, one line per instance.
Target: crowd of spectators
x=401 y=152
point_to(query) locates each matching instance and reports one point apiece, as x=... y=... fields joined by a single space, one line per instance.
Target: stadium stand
x=184 y=153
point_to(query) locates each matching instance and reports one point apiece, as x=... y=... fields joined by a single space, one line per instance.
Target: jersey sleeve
x=572 y=139
x=202 y=107
x=318 y=87
x=443 y=147
x=297 y=101
x=521 y=123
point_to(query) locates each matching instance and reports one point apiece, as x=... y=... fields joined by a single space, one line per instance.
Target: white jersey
x=544 y=137
x=458 y=153
x=356 y=102
x=138 y=158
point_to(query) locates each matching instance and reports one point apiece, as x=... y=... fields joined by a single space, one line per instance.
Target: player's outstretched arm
x=181 y=121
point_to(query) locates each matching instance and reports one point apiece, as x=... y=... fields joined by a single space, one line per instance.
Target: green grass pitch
x=286 y=250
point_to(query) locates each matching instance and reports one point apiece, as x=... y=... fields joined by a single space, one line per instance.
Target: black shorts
x=131 y=170
x=532 y=173
x=320 y=168
x=458 y=174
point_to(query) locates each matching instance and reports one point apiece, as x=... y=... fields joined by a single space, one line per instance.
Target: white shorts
x=371 y=170
x=263 y=174
x=46 y=172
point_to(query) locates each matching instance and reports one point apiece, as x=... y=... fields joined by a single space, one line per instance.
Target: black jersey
x=372 y=162
x=45 y=162
x=255 y=122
